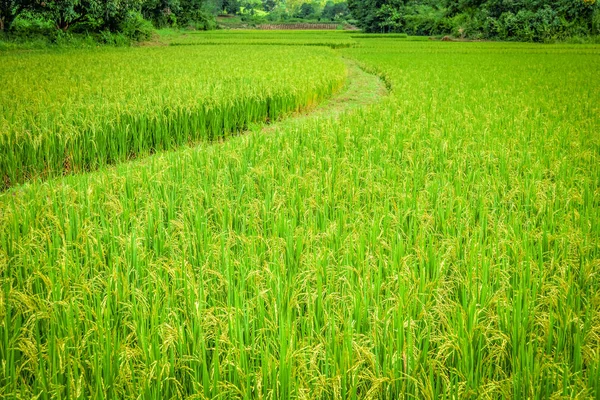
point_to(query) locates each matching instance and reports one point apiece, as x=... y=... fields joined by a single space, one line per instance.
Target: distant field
x=333 y=39
x=441 y=242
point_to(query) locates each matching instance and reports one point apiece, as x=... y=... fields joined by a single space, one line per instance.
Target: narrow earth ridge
x=362 y=89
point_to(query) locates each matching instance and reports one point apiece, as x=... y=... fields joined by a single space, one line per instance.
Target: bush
x=135 y=27
x=28 y=25
x=255 y=19
x=113 y=39
x=200 y=20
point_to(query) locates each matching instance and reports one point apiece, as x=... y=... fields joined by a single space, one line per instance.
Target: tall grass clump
x=80 y=110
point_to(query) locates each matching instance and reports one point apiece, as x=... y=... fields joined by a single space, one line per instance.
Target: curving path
x=362 y=89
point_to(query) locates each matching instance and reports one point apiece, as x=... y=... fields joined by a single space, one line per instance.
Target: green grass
x=441 y=243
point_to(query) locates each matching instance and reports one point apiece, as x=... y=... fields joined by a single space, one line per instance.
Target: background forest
x=524 y=20
x=123 y=21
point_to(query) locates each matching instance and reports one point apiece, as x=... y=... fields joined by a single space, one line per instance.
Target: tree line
x=137 y=18
x=133 y=17
x=524 y=20
x=282 y=10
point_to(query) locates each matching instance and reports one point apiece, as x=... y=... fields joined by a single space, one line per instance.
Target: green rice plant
x=332 y=39
x=443 y=243
x=77 y=111
x=385 y=36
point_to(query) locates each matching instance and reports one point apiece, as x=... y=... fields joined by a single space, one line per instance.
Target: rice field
x=331 y=39
x=443 y=242
x=75 y=112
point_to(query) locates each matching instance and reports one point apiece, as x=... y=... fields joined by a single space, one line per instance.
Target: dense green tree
x=195 y=11
x=251 y=6
x=328 y=11
x=181 y=12
x=232 y=6
x=125 y=16
x=416 y=17
x=334 y=11
x=161 y=12
x=367 y=13
x=306 y=10
x=10 y=10
x=529 y=20
x=104 y=14
x=269 y=5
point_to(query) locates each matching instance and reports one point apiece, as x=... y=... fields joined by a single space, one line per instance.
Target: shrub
x=136 y=28
x=28 y=25
x=113 y=39
x=200 y=20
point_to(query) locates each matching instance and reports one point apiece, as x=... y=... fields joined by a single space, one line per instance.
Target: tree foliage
x=11 y=9
x=269 y=5
x=529 y=20
x=368 y=13
x=110 y=15
x=98 y=13
x=335 y=11
x=129 y=15
x=306 y=10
